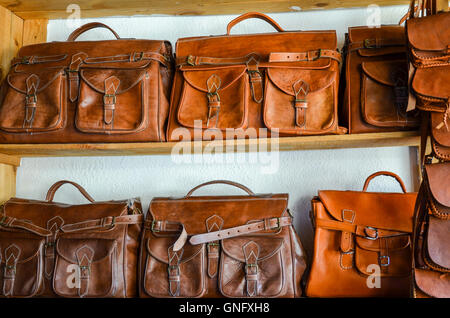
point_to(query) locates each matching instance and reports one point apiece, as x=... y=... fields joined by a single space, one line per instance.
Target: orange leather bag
x=50 y=249
x=87 y=91
x=220 y=246
x=286 y=82
x=359 y=235
x=376 y=81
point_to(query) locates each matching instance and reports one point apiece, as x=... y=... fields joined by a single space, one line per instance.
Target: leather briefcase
x=50 y=249
x=220 y=246
x=362 y=244
x=432 y=234
x=376 y=81
x=231 y=86
x=429 y=55
x=87 y=91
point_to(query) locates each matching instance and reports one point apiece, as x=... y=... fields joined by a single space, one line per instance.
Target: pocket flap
x=268 y=246
x=198 y=77
x=439 y=184
x=101 y=249
x=437 y=241
x=432 y=82
x=391 y=243
x=285 y=79
x=438 y=129
x=433 y=283
x=126 y=79
x=437 y=34
x=42 y=80
x=385 y=72
x=27 y=248
x=158 y=248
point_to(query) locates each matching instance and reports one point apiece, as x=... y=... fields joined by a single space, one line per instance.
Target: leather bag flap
x=67 y=248
x=158 y=249
x=430 y=33
x=127 y=79
x=439 y=183
x=432 y=82
x=28 y=248
x=18 y=81
x=439 y=130
x=391 y=211
x=433 y=283
x=438 y=237
x=268 y=246
x=383 y=72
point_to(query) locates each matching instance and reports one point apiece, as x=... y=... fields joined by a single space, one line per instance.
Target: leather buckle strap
x=30 y=60
x=313 y=55
x=13 y=223
x=192 y=60
x=108 y=222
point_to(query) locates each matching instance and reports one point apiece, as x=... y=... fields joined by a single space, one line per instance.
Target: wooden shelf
x=243 y=145
x=56 y=9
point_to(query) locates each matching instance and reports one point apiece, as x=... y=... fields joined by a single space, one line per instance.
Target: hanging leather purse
x=432 y=234
x=87 y=91
x=50 y=249
x=376 y=81
x=362 y=244
x=230 y=86
x=429 y=55
x=220 y=246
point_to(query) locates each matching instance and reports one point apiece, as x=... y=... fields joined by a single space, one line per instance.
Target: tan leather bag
x=359 y=235
x=286 y=82
x=376 y=81
x=220 y=246
x=87 y=91
x=50 y=249
x=429 y=55
x=432 y=234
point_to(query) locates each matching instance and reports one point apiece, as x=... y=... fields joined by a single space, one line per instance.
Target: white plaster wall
x=299 y=173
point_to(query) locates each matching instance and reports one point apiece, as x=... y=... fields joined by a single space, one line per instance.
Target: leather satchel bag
x=362 y=244
x=230 y=86
x=432 y=234
x=87 y=91
x=50 y=249
x=220 y=246
x=429 y=55
x=376 y=81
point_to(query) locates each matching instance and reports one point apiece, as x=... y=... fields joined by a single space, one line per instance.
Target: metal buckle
x=367 y=44
x=33 y=99
x=140 y=56
x=319 y=56
x=85 y=267
x=114 y=101
x=2 y=221
x=211 y=94
x=26 y=60
x=171 y=267
x=381 y=258
x=251 y=72
x=153 y=227
x=278 y=224
x=190 y=60
x=247 y=266
x=11 y=267
x=212 y=244
x=370 y=237
x=113 y=222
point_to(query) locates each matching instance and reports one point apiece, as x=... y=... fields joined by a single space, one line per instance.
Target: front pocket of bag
x=251 y=267
x=34 y=102
x=384 y=94
x=113 y=101
x=299 y=101
x=215 y=98
x=189 y=267
x=21 y=265
x=85 y=267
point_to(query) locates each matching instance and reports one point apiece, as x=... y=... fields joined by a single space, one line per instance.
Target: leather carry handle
x=384 y=173
x=51 y=192
x=235 y=184
x=89 y=26
x=253 y=15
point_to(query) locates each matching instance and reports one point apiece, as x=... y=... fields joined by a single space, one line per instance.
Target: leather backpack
x=220 y=246
x=375 y=75
x=428 y=35
x=87 y=91
x=362 y=244
x=245 y=86
x=50 y=249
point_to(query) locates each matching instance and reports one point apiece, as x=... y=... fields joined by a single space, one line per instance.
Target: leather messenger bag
x=429 y=55
x=220 y=246
x=376 y=81
x=87 y=91
x=432 y=234
x=230 y=86
x=362 y=244
x=50 y=249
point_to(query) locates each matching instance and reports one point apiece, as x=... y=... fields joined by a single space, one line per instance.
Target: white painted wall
x=299 y=173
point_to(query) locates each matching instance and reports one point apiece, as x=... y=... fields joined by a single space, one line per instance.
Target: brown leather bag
x=429 y=55
x=285 y=82
x=87 y=91
x=220 y=246
x=432 y=234
x=359 y=235
x=50 y=249
x=376 y=81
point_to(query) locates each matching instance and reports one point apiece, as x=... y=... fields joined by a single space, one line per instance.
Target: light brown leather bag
x=87 y=91
x=432 y=234
x=359 y=235
x=286 y=82
x=50 y=249
x=220 y=246
x=376 y=81
x=429 y=55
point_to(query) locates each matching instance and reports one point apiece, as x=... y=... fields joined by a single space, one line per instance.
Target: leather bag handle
x=51 y=192
x=235 y=184
x=253 y=15
x=89 y=26
x=384 y=173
